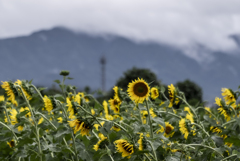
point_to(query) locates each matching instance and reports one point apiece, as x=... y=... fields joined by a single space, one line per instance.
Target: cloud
x=175 y=22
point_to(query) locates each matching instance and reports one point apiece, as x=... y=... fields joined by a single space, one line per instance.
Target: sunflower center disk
x=140 y=89
x=168 y=129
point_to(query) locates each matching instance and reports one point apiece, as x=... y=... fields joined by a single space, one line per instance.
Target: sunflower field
x=140 y=124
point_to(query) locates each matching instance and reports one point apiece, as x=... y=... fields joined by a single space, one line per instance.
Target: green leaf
x=69 y=78
x=233 y=139
x=57 y=81
x=159 y=120
x=236 y=152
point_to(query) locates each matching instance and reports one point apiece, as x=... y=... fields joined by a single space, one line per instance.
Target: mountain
x=41 y=55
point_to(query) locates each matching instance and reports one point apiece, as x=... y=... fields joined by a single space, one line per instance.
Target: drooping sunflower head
x=215 y=129
x=11 y=91
x=23 y=109
x=116 y=93
x=79 y=124
x=138 y=90
x=172 y=95
x=228 y=95
x=25 y=87
x=183 y=128
x=49 y=103
x=142 y=143
x=101 y=143
x=124 y=147
x=114 y=105
x=154 y=93
x=144 y=116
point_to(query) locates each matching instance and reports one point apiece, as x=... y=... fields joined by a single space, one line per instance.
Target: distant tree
x=192 y=91
x=136 y=73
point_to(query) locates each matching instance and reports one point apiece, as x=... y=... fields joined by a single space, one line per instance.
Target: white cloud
x=170 y=21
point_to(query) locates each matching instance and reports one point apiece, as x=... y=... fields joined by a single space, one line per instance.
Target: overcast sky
x=177 y=22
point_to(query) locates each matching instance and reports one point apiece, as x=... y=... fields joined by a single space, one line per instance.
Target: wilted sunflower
x=221 y=109
x=167 y=130
x=172 y=95
x=189 y=115
x=114 y=104
x=140 y=141
x=183 y=128
x=154 y=93
x=2 y=98
x=124 y=147
x=49 y=103
x=215 y=129
x=101 y=143
x=26 y=90
x=138 y=90
x=14 y=119
x=228 y=95
x=78 y=125
x=11 y=92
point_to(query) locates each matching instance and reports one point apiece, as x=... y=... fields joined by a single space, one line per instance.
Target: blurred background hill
x=41 y=55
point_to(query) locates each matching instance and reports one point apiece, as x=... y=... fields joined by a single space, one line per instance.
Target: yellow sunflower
x=11 y=143
x=144 y=116
x=25 y=91
x=140 y=141
x=152 y=113
x=115 y=128
x=172 y=95
x=229 y=96
x=114 y=104
x=138 y=90
x=2 y=98
x=105 y=107
x=209 y=110
x=221 y=110
x=14 y=120
x=229 y=144
x=78 y=98
x=189 y=115
x=48 y=103
x=167 y=130
x=215 y=129
x=183 y=128
x=124 y=147
x=154 y=93
x=40 y=120
x=97 y=125
x=99 y=145
x=78 y=125
x=8 y=87
x=60 y=120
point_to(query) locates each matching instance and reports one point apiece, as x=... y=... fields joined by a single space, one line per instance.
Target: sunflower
x=189 y=115
x=114 y=104
x=93 y=112
x=221 y=109
x=115 y=128
x=48 y=103
x=209 y=110
x=154 y=93
x=183 y=128
x=124 y=147
x=101 y=143
x=215 y=129
x=14 y=119
x=60 y=120
x=167 y=130
x=229 y=144
x=78 y=98
x=2 y=98
x=11 y=92
x=97 y=125
x=78 y=125
x=229 y=96
x=172 y=95
x=144 y=116
x=116 y=94
x=140 y=141
x=11 y=143
x=138 y=90
x=152 y=113
x=40 y=120
x=26 y=91
x=105 y=107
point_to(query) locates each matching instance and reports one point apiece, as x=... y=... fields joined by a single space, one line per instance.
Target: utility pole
x=103 y=63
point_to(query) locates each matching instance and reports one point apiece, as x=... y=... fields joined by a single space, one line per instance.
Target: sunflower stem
x=170 y=114
x=208 y=112
x=147 y=157
x=33 y=117
x=140 y=116
x=149 y=120
x=228 y=122
x=10 y=130
x=205 y=147
x=154 y=153
x=184 y=100
x=38 y=113
x=35 y=88
x=8 y=118
x=229 y=157
x=72 y=133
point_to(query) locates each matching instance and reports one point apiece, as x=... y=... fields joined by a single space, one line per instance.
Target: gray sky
x=177 y=22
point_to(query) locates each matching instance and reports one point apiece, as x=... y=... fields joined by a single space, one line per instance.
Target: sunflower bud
x=64 y=73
